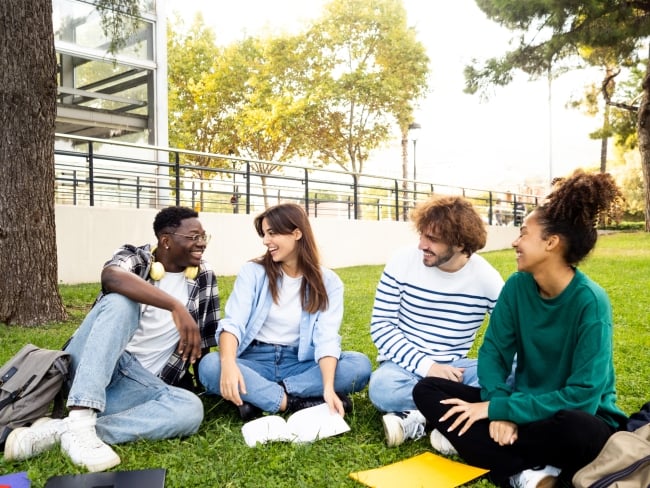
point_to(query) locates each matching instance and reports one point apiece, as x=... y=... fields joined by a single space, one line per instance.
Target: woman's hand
x=334 y=402
x=503 y=432
x=232 y=382
x=327 y=366
x=468 y=413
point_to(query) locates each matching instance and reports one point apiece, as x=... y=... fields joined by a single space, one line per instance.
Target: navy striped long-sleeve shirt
x=423 y=315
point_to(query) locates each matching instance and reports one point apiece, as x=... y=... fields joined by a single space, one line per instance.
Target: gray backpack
x=30 y=383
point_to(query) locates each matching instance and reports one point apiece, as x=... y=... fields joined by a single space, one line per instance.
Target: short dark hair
x=171 y=217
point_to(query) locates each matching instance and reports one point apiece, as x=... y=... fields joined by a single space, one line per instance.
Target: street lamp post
x=414 y=132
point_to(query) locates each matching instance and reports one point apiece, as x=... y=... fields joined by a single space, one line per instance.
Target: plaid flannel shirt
x=203 y=302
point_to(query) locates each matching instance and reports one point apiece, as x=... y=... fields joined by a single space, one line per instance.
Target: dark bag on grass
x=623 y=462
x=30 y=382
x=640 y=418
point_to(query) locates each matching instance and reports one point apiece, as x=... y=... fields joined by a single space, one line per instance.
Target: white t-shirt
x=157 y=335
x=282 y=325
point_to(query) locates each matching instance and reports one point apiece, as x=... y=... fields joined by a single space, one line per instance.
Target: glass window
x=79 y=23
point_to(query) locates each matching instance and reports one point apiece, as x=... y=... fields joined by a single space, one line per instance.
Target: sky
x=518 y=135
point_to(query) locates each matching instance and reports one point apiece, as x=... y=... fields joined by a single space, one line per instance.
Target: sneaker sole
x=548 y=482
x=437 y=444
x=10 y=446
x=108 y=464
x=393 y=430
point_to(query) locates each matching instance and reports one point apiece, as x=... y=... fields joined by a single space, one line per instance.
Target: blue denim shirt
x=250 y=302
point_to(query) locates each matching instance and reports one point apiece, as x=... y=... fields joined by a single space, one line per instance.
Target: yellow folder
x=421 y=471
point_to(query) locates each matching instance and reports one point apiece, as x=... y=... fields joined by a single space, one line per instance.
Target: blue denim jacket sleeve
x=323 y=327
x=247 y=306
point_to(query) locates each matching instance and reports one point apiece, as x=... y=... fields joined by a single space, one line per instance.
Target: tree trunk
x=29 y=292
x=405 y=175
x=604 y=140
x=643 y=132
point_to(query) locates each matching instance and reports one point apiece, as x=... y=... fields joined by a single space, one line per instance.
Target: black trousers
x=568 y=440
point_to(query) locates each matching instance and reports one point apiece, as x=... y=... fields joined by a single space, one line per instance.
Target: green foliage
x=327 y=94
x=547 y=35
x=369 y=66
x=217 y=455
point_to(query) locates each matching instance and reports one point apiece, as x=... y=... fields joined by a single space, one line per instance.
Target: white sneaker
x=26 y=442
x=401 y=426
x=441 y=444
x=81 y=444
x=544 y=477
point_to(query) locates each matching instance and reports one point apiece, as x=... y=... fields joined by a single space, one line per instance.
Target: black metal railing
x=107 y=173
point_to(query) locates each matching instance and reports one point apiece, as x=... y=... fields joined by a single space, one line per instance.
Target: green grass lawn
x=217 y=456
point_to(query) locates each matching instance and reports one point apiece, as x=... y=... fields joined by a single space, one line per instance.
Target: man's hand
x=468 y=413
x=446 y=371
x=189 y=345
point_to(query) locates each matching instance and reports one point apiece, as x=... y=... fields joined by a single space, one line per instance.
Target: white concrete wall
x=88 y=236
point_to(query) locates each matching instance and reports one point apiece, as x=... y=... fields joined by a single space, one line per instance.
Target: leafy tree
x=616 y=92
x=29 y=292
x=369 y=70
x=274 y=103
x=194 y=111
x=247 y=100
x=330 y=94
x=547 y=32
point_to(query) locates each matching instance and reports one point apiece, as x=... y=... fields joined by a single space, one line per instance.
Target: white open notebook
x=305 y=425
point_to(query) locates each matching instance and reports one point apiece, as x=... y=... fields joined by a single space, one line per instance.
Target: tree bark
x=604 y=140
x=29 y=292
x=643 y=132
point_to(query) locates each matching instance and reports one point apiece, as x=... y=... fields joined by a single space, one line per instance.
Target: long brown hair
x=284 y=219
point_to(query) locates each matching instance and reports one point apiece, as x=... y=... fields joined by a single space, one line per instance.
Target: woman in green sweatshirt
x=556 y=324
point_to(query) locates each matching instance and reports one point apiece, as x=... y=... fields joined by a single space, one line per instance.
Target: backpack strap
x=611 y=478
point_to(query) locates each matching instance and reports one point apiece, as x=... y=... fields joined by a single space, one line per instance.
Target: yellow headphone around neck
x=157 y=270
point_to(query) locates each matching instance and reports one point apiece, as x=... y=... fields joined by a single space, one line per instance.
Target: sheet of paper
x=265 y=429
x=307 y=425
x=316 y=423
x=426 y=470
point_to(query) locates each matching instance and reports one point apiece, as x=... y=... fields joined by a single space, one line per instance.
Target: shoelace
x=44 y=432
x=413 y=430
x=86 y=438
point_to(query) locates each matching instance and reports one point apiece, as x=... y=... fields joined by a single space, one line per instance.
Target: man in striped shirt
x=429 y=304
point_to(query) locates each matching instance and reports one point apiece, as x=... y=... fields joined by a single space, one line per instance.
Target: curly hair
x=284 y=219
x=573 y=208
x=171 y=217
x=453 y=220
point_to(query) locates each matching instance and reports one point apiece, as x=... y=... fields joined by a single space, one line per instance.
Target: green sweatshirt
x=563 y=347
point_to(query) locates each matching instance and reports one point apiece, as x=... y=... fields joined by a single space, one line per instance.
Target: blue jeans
x=267 y=367
x=391 y=386
x=132 y=403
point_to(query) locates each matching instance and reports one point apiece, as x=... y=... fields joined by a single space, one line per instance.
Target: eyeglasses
x=194 y=238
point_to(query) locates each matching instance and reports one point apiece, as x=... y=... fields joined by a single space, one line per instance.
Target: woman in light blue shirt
x=279 y=342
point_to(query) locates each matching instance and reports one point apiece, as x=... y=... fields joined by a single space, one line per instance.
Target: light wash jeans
x=266 y=367
x=131 y=402
x=391 y=386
